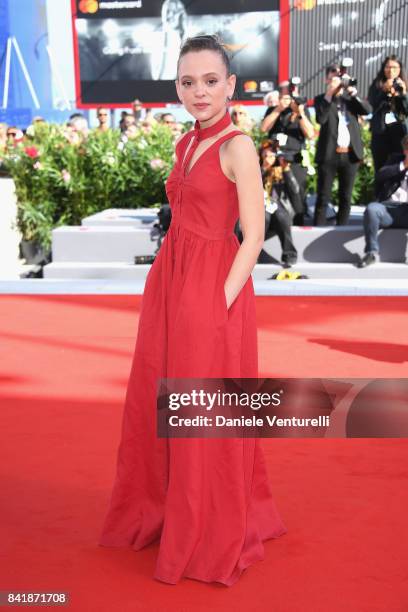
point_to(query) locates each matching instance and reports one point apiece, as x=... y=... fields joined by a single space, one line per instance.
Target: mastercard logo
x=304 y=5
x=88 y=6
x=250 y=86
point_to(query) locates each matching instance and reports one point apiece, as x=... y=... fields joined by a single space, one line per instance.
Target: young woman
x=388 y=97
x=207 y=500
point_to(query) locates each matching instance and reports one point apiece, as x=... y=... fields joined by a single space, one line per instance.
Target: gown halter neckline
x=198 y=135
x=206 y=132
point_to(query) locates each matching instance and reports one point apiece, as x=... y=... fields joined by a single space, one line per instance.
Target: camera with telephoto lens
x=346 y=79
x=293 y=84
x=398 y=87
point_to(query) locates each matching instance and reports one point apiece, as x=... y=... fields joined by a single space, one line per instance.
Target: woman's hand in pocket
x=227 y=301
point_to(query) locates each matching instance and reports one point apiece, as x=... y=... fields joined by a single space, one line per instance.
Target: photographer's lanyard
x=270 y=205
x=390 y=118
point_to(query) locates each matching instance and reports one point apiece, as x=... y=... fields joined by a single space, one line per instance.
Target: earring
x=228 y=98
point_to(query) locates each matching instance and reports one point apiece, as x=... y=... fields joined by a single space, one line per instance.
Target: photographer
x=339 y=148
x=290 y=120
x=282 y=198
x=391 y=210
x=388 y=97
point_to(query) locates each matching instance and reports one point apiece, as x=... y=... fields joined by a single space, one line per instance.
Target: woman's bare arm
x=243 y=163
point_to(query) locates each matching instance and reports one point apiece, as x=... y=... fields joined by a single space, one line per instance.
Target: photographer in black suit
x=339 y=148
x=392 y=208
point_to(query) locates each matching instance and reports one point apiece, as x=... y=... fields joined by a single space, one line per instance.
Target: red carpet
x=64 y=367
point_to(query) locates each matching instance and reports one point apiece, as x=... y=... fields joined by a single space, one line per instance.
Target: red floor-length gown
x=207 y=500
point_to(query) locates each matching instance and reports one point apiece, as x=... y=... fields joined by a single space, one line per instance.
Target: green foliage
x=363 y=191
x=67 y=181
x=60 y=181
x=257 y=136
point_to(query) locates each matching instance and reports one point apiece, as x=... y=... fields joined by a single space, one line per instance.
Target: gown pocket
x=221 y=308
x=224 y=300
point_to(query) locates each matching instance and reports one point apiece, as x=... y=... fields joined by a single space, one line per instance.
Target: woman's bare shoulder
x=240 y=144
x=240 y=158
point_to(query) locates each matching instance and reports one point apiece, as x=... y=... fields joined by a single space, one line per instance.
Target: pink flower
x=156 y=163
x=66 y=177
x=32 y=152
x=19 y=137
x=37 y=165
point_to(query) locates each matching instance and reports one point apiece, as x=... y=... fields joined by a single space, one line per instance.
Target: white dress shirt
x=343 y=134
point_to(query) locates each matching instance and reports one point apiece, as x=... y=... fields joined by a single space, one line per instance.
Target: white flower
x=66 y=177
x=37 y=165
x=109 y=158
x=156 y=163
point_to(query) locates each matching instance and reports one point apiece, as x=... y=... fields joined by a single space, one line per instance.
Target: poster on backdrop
x=125 y=47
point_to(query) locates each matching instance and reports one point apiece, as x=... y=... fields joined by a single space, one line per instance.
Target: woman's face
x=392 y=69
x=285 y=100
x=239 y=113
x=268 y=156
x=202 y=80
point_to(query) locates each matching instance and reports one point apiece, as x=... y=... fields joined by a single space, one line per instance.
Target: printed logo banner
x=282 y=408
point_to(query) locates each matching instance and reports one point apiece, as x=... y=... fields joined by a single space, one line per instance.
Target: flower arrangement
x=61 y=177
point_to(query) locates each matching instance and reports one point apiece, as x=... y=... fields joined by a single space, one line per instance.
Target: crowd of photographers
x=283 y=156
x=339 y=151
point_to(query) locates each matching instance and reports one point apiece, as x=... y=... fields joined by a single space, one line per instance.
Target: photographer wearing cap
x=291 y=121
x=388 y=97
x=339 y=148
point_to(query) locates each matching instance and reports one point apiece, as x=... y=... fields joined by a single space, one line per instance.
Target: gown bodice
x=204 y=200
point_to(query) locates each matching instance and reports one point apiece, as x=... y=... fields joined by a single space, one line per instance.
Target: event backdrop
x=129 y=49
x=267 y=39
x=324 y=31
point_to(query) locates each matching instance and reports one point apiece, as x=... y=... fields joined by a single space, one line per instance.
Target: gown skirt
x=207 y=501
